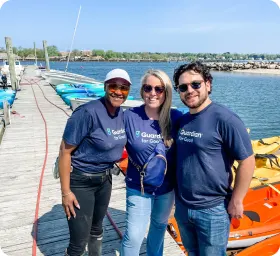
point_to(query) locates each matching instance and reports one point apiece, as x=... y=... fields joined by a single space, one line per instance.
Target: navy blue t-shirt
x=99 y=136
x=141 y=133
x=207 y=144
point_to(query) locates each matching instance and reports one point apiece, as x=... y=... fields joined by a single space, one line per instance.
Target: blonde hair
x=164 y=115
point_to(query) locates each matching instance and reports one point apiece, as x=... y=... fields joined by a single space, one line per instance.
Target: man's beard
x=196 y=105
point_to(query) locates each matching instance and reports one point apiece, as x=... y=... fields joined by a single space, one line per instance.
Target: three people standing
x=198 y=149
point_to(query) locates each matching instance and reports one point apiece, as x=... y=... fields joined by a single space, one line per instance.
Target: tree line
x=185 y=56
x=25 y=52
x=153 y=56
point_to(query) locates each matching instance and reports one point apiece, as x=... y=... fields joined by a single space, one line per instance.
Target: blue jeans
x=140 y=209
x=204 y=232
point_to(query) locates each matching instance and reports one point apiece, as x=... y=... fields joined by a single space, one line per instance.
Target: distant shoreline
x=259 y=71
x=270 y=68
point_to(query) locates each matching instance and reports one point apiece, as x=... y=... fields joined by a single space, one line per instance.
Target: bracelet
x=67 y=194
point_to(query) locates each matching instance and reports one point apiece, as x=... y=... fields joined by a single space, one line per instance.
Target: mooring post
x=11 y=60
x=35 y=54
x=46 y=55
x=7 y=114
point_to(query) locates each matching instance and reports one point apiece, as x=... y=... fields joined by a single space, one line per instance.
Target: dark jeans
x=93 y=194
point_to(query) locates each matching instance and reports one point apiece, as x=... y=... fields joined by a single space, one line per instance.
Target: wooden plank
x=57 y=245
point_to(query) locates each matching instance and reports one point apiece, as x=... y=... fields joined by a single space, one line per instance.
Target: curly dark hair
x=196 y=66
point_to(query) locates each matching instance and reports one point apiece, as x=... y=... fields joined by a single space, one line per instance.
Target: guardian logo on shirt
x=148 y=137
x=118 y=134
x=188 y=136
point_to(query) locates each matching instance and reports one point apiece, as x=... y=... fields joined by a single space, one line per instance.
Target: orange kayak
x=261 y=218
x=123 y=165
x=267 y=247
x=173 y=230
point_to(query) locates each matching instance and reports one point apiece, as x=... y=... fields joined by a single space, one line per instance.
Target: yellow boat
x=262 y=176
x=266 y=145
x=267 y=168
x=268 y=161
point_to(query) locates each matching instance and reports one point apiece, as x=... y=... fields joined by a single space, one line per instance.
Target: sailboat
x=55 y=77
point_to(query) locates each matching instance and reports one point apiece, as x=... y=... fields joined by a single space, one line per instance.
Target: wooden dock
x=26 y=158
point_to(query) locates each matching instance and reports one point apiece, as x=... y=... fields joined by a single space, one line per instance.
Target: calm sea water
x=255 y=98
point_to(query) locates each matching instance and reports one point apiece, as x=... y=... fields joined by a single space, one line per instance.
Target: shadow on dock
x=53 y=233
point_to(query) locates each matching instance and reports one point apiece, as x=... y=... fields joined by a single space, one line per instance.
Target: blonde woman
x=150 y=195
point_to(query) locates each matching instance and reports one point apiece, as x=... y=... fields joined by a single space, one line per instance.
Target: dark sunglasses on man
x=184 y=87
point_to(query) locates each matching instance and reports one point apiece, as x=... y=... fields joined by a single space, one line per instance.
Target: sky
x=217 y=26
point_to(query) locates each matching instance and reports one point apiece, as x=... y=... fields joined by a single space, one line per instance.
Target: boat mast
x=73 y=39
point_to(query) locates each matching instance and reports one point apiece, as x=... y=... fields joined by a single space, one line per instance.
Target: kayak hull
x=268 y=247
x=261 y=217
x=266 y=145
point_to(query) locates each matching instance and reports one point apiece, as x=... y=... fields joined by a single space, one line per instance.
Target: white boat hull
x=241 y=243
x=56 y=80
x=55 y=77
x=6 y=71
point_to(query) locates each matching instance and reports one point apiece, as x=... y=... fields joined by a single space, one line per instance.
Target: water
x=255 y=98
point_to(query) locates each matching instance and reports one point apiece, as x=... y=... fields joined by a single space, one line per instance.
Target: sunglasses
x=158 y=89
x=121 y=87
x=195 y=85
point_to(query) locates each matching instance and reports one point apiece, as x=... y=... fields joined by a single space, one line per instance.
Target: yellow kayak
x=266 y=145
x=261 y=176
x=267 y=168
x=264 y=176
x=268 y=161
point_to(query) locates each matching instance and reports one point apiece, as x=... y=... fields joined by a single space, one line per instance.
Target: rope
x=273 y=159
x=35 y=229
x=267 y=144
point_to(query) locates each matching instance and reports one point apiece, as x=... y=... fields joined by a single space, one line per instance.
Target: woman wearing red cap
x=88 y=152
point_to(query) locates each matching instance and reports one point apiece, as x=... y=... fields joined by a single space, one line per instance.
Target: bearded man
x=210 y=138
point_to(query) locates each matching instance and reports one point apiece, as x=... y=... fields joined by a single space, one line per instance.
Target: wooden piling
x=11 y=60
x=46 y=55
x=35 y=54
x=7 y=113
